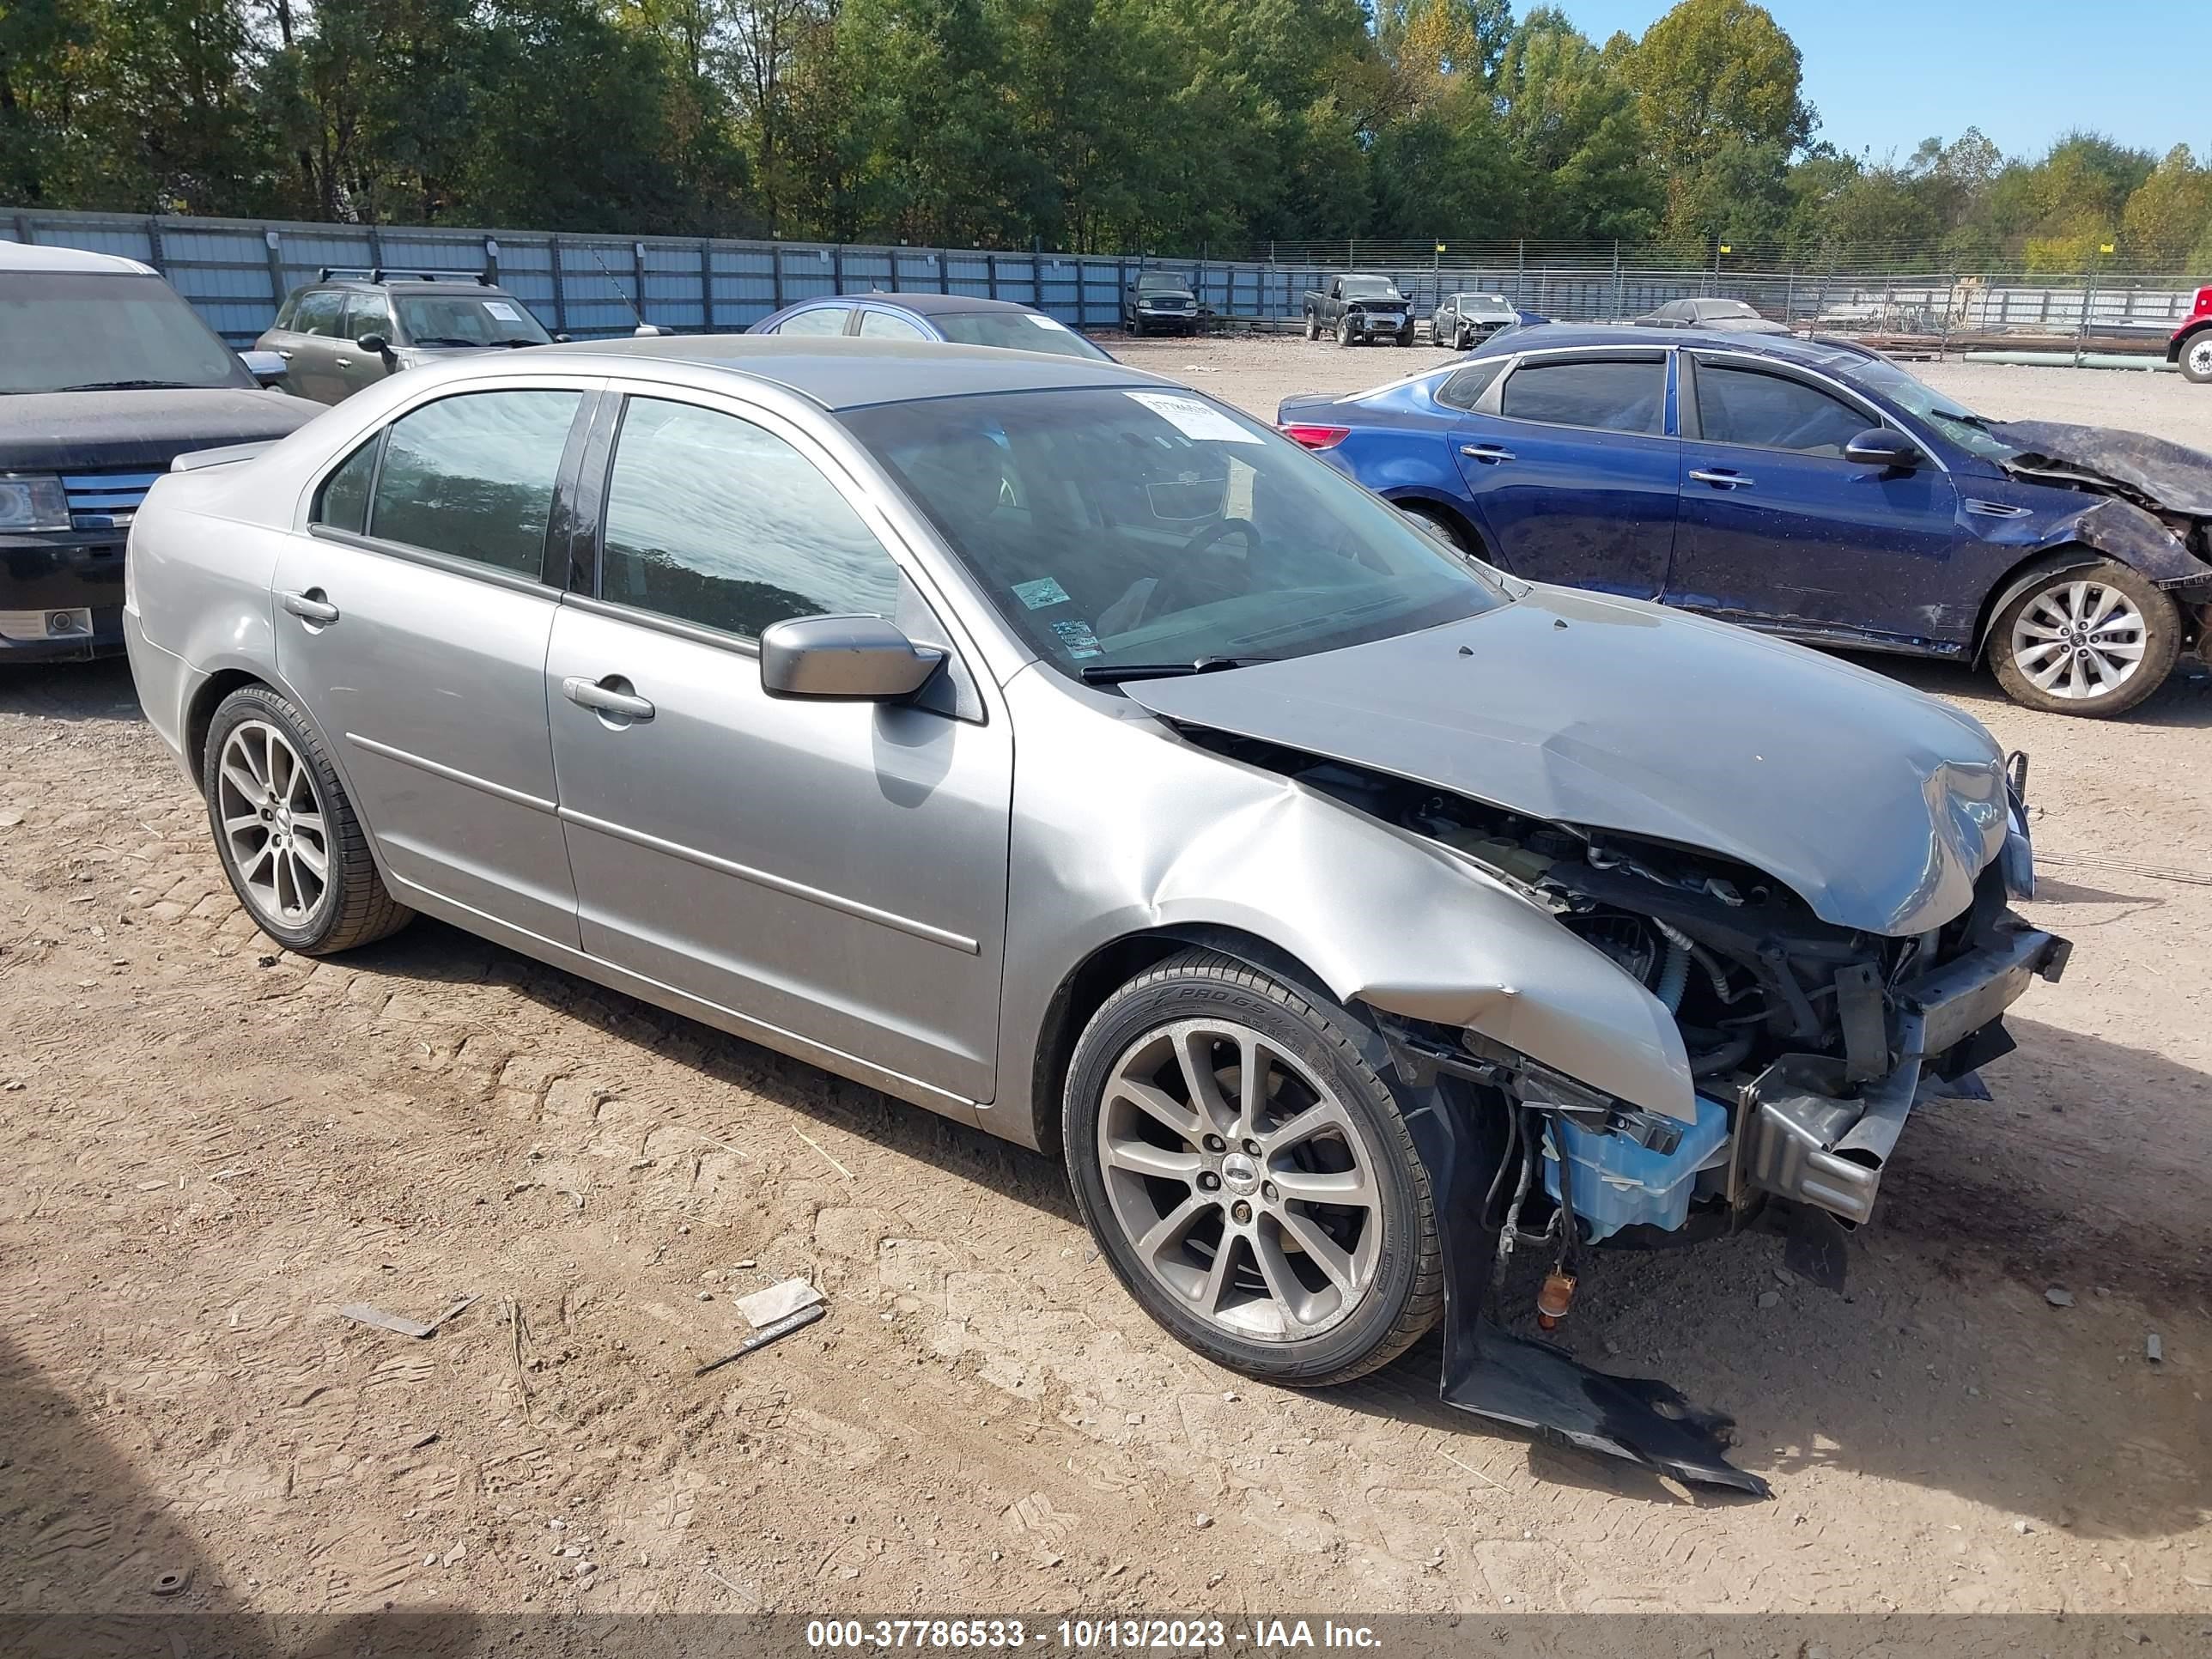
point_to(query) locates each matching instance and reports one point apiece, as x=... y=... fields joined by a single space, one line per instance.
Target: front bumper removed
x=1803 y=1129
x=1805 y=1133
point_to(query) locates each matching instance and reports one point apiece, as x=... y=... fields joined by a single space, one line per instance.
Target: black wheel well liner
x=1111 y=966
x=2182 y=336
x=1431 y=507
x=200 y=715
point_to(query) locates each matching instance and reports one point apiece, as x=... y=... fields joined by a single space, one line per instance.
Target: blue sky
x=2023 y=72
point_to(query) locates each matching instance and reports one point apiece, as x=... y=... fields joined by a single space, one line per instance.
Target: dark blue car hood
x=1877 y=806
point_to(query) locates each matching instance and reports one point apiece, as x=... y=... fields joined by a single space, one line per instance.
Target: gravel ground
x=212 y=1145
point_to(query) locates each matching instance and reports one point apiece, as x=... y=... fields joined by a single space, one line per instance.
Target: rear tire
x=278 y=811
x=2197 y=357
x=1211 y=1236
x=2094 y=641
x=1438 y=523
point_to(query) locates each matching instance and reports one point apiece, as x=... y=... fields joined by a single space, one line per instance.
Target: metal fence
x=237 y=271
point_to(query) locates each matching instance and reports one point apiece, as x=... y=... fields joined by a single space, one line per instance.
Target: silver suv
x=349 y=332
x=1061 y=750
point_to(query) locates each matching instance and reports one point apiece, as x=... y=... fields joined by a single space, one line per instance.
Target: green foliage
x=1163 y=126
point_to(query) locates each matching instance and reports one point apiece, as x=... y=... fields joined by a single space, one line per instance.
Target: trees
x=1159 y=125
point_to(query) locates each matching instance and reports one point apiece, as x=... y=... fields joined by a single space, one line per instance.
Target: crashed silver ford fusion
x=1056 y=749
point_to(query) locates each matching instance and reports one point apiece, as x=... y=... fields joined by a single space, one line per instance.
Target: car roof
x=1814 y=352
x=854 y=373
x=412 y=284
x=922 y=304
x=33 y=256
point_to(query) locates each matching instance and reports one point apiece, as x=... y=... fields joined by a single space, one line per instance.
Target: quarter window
x=713 y=520
x=1611 y=394
x=822 y=320
x=342 y=502
x=472 y=476
x=885 y=325
x=1772 y=411
x=1465 y=389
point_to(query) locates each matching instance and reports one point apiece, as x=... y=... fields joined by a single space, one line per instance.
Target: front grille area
x=104 y=501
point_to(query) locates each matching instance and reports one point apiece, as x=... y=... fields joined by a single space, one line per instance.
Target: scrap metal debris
x=775 y=1331
x=174 y=1582
x=2057 y=1297
x=2154 y=1349
x=400 y=1324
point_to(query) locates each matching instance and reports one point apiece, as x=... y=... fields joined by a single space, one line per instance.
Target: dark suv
x=106 y=376
x=350 y=329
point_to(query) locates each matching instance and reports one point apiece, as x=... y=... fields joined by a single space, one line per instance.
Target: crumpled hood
x=2171 y=475
x=48 y=431
x=1877 y=806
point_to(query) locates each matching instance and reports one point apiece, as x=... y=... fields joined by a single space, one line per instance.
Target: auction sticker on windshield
x=1193 y=419
x=504 y=312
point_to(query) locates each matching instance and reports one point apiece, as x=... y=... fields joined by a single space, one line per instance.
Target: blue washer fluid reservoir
x=1619 y=1184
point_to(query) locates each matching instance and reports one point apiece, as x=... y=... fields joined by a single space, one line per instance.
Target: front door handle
x=1490 y=453
x=605 y=697
x=313 y=607
x=1722 y=478
x=345 y=363
x=285 y=352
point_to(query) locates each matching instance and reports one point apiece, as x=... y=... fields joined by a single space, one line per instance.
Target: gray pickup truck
x=1355 y=308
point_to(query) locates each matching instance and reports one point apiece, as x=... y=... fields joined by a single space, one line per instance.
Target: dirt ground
x=210 y=1145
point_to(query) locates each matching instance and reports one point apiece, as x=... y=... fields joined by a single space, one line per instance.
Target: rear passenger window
x=342 y=503
x=822 y=320
x=713 y=520
x=472 y=476
x=1611 y=394
x=1771 y=412
x=317 y=312
x=883 y=325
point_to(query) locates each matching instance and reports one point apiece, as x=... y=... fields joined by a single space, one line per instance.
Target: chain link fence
x=237 y=271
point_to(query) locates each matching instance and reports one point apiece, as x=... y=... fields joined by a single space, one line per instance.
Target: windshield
x=1950 y=418
x=1122 y=528
x=1484 y=302
x=1162 y=285
x=64 y=329
x=467 y=319
x=1725 y=308
x=1370 y=287
x=1014 y=330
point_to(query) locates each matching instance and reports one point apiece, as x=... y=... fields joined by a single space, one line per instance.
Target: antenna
x=643 y=327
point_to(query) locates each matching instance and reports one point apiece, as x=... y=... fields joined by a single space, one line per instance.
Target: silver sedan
x=1058 y=749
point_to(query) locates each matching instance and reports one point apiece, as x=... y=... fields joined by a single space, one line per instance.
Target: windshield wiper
x=447 y=340
x=134 y=385
x=1114 y=673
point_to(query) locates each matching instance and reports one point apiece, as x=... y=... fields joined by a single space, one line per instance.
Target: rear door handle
x=606 y=699
x=1490 y=453
x=311 y=606
x=285 y=352
x=1722 y=478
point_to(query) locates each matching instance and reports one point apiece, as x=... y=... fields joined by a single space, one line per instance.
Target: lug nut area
x=1208 y=1180
x=1216 y=1144
x=1241 y=1210
x=1267 y=1191
x=1251 y=1149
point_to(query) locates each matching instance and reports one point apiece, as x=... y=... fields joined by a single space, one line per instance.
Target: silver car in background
x=1056 y=749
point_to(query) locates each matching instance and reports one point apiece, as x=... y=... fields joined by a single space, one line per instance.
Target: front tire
x=2197 y=357
x=1405 y=336
x=1344 y=335
x=2094 y=641
x=1285 y=1230
x=296 y=856
x=1312 y=326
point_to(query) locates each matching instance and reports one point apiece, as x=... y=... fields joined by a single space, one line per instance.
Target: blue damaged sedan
x=1804 y=487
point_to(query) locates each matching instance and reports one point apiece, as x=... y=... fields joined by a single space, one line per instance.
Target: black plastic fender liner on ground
x=1534 y=1385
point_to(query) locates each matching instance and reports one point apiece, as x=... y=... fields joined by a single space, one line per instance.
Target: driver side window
x=1748 y=406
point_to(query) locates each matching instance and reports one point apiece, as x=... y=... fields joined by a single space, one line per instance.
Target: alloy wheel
x=273 y=825
x=1241 y=1181
x=2079 y=640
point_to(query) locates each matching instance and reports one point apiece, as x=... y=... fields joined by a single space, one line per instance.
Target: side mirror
x=266 y=367
x=375 y=344
x=1881 y=446
x=561 y=339
x=844 y=660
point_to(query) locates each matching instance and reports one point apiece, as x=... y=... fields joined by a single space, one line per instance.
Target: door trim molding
x=450 y=774
x=837 y=902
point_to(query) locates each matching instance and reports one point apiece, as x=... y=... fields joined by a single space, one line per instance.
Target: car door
x=1573 y=471
x=413 y=618
x=366 y=313
x=832 y=871
x=311 y=353
x=1778 y=527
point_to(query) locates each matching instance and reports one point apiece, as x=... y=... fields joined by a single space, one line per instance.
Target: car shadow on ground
x=100 y=691
x=100 y=1563
x=1939 y=1363
x=2185 y=701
